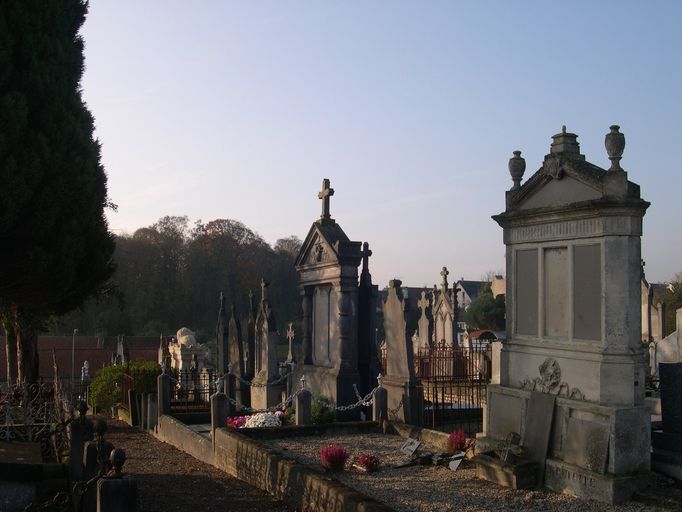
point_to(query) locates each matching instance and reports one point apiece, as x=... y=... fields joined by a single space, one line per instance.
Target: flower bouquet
x=367 y=463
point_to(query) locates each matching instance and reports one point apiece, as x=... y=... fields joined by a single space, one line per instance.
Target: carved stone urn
x=517 y=166
x=615 y=144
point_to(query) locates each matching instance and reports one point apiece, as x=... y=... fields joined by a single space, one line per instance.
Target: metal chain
x=280 y=406
x=393 y=412
x=255 y=385
x=362 y=402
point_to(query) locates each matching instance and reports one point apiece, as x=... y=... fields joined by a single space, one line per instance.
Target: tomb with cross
x=338 y=310
x=444 y=313
x=265 y=355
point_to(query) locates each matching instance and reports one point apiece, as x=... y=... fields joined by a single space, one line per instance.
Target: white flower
x=262 y=419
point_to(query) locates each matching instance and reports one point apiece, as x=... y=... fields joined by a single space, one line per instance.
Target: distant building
x=98 y=351
x=468 y=291
x=498 y=286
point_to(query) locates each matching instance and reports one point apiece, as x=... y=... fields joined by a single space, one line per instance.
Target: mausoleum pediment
x=322 y=246
x=556 y=192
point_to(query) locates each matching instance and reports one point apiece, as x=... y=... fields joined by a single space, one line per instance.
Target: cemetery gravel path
x=169 y=480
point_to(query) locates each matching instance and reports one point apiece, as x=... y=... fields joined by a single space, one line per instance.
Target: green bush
x=323 y=410
x=105 y=390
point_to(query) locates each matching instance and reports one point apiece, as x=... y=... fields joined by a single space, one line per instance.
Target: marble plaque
x=410 y=446
x=587 y=292
x=526 y=297
x=587 y=445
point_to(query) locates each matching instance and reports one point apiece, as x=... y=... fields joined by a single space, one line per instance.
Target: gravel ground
x=432 y=488
x=169 y=480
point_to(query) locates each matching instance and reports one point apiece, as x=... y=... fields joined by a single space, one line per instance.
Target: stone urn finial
x=615 y=144
x=517 y=166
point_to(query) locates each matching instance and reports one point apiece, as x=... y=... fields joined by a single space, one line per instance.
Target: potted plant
x=333 y=457
x=367 y=463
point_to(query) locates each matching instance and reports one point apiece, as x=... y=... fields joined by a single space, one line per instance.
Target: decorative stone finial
x=303 y=381
x=117 y=459
x=615 y=144
x=565 y=143
x=380 y=379
x=325 y=194
x=517 y=166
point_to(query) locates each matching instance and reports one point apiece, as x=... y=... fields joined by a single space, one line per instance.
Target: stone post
x=151 y=411
x=163 y=384
x=220 y=410
x=133 y=406
x=79 y=432
x=304 y=412
x=380 y=406
x=116 y=495
x=143 y=411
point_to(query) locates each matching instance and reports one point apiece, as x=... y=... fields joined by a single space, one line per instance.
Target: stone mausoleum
x=338 y=310
x=572 y=234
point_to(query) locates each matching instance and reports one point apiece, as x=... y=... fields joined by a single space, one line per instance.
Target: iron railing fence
x=192 y=390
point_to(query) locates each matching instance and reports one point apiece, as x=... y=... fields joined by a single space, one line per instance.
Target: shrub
x=456 y=441
x=105 y=390
x=333 y=457
x=322 y=411
x=369 y=462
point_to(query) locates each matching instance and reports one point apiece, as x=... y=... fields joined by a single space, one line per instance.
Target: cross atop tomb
x=366 y=253
x=325 y=194
x=444 y=274
x=423 y=302
x=263 y=292
x=290 y=337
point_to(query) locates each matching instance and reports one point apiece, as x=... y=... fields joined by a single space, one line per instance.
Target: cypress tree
x=55 y=246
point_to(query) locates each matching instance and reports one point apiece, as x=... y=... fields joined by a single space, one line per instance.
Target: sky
x=219 y=109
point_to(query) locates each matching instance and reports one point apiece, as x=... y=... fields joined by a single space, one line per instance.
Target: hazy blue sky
x=217 y=109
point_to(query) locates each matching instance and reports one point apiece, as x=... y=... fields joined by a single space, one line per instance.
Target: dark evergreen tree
x=56 y=247
x=486 y=312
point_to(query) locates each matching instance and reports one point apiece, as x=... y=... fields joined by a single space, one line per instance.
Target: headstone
x=671 y=397
x=304 y=408
x=405 y=394
x=263 y=393
x=425 y=323
x=410 y=446
x=538 y=428
x=572 y=233
x=222 y=339
x=444 y=313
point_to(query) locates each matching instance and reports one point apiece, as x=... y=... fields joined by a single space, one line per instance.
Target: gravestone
x=444 y=314
x=337 y=325
x=222 y=339
x=573 y=249
x=538 y=428
x=240 y=390
x=405 y=394
x=424 y=324
x=667 y=443
x=263 y=393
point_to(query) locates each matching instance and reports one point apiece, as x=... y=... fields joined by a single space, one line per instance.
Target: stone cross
x=444 y=273
x=366 y=253
x=263 y=287
x=290 y=337
x=325 y=194
x=423 y=302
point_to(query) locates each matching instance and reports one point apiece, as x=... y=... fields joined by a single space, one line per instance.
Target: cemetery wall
x=301 y=487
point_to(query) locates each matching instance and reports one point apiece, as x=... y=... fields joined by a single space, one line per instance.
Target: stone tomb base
x=333 y=383
x=595 y=452
x=405 y=401
x=264 y=397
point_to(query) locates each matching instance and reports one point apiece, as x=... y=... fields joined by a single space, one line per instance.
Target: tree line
x=170 y=275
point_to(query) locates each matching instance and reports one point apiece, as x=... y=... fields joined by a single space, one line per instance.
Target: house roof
x=472 y=288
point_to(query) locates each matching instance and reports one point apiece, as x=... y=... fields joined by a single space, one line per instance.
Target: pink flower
x=333 y=457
